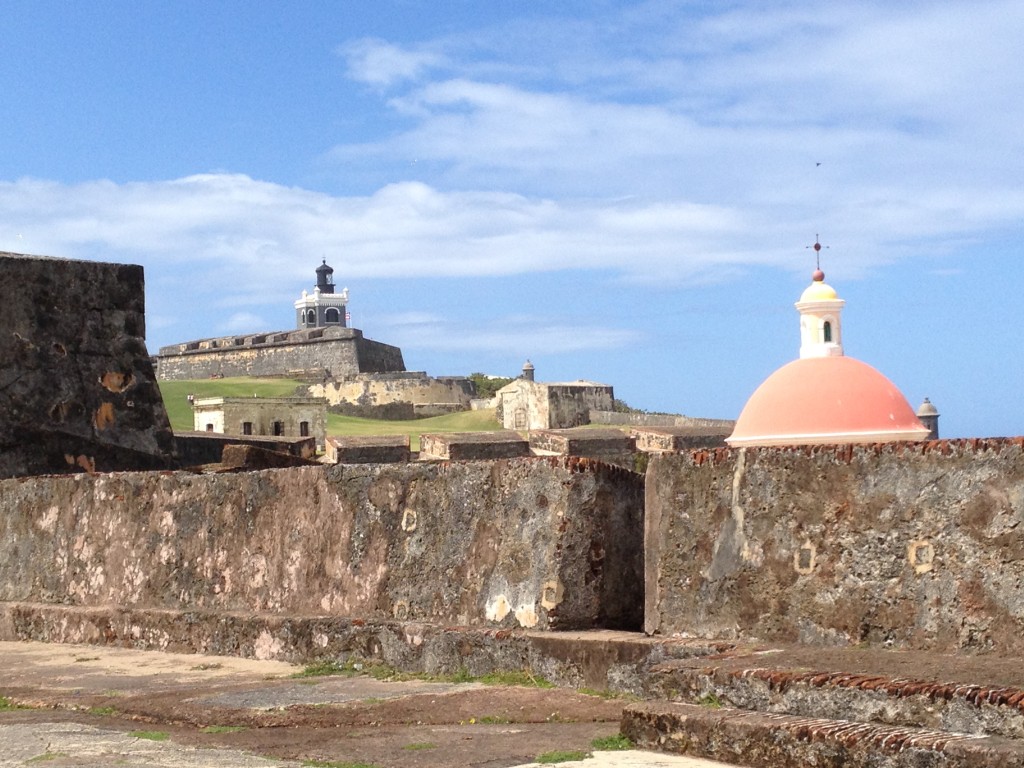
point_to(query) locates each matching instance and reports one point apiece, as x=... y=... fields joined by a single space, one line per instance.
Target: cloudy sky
x=621 y=192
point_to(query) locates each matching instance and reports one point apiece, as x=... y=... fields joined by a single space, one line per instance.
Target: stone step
x=992 y=706
x=769 y=740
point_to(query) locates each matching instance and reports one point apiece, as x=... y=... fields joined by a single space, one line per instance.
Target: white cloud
x=227 y=233
x=734 y=106
x=380 y=63
x=515 y=336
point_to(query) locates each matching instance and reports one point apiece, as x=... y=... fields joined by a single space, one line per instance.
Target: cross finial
x=817 y=251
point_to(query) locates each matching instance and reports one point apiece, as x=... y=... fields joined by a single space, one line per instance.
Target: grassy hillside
x=465 y=421
x=175 y=394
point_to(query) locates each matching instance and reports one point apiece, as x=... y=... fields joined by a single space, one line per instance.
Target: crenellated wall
x=544 y=543
x=906 y=545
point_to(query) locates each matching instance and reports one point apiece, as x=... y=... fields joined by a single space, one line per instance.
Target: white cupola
x=821 y=331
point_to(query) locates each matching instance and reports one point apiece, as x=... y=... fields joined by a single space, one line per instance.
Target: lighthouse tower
x=323 y=308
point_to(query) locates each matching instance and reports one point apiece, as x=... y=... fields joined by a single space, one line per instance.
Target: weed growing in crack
x=151 y=735
x=710 y=700
x=6 y=705
x=612 y=743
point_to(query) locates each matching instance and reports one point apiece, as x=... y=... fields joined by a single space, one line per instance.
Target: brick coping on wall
x=846 y=453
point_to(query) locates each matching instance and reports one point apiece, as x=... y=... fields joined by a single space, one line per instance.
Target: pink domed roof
x=826 y=400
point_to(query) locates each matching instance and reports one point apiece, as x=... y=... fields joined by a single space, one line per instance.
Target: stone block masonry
x=552 y=543
x=907 y=545
x=608 y=445
x=77 y=388
x=503 y=444
x=369 y=449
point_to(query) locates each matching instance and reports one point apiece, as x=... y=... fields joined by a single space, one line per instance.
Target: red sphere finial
x=818 y=276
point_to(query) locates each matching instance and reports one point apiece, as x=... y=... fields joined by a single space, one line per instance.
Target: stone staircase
x=791 y=708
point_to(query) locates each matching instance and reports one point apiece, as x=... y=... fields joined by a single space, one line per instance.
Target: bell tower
x=820 y=308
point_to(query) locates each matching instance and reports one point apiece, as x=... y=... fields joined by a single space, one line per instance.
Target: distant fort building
x=322 y=347
x=262 y=416
x=526 y=404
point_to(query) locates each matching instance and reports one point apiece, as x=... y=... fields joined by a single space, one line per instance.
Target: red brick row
x=780 y=680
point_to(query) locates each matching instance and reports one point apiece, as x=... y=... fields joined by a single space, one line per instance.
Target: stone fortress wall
x=614 y=418
x=77 y=389
x=378 y=394
x=906 y=545
x=903 y=545
x=314 y=353
x=539 y=543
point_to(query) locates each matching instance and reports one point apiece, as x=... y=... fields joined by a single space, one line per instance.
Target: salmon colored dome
x=818 y=400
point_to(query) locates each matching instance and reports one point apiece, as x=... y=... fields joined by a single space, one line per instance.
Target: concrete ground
x=67 y=705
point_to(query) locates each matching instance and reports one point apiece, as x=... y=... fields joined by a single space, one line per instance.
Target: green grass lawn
x=464 y=421
x=175 y=394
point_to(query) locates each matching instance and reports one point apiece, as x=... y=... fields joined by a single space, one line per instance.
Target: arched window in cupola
x=827 y=330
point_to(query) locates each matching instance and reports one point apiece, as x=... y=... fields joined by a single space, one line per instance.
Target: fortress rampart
x=542 y=543
x=313 y=353
x=914 y=545
x=902 y=545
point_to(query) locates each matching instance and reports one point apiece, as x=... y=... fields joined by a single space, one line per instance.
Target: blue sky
x=621 y=192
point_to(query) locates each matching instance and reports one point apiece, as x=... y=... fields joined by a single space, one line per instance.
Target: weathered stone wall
x=399 y=387
x=301 y=353
x=668 y=439
x=545 y=543
x=570 y=405
x=722 y=426
x=77 y=389
x=907 y=545
x=368 y=449
x=609 y=445
x=526 y=404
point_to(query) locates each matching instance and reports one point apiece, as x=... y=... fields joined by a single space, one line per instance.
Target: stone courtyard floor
x=68 y=705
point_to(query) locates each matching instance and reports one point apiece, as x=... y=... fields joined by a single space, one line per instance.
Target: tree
x=486 y=386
